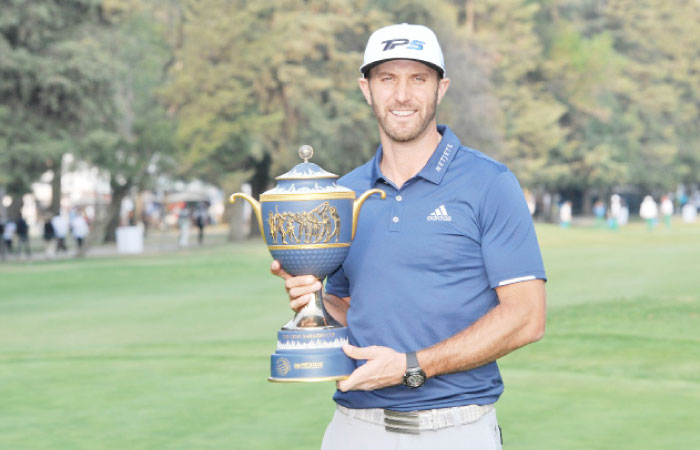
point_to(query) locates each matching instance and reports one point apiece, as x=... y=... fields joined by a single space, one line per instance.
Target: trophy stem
x=313 y=315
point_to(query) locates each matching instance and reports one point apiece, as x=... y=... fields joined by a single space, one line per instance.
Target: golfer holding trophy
x=443 y=277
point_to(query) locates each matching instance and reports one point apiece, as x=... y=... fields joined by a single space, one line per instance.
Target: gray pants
x=345 y=432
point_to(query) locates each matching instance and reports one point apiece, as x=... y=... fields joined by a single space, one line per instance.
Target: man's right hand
x=300 y=289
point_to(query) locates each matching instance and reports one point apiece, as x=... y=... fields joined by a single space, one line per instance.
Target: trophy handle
x=358 y=204
x=256 y=207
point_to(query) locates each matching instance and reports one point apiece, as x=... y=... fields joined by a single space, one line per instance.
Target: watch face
x=415 y=380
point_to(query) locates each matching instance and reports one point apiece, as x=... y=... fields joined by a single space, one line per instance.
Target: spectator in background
x=565 y=214
x=2 y=242
x=8 y=235
x=649 y=212
x=615 y=211
x=666 y=210
x=23 y=236
x=60 y=229
x=79 y=228
x=183 y=220
x=599 y=212
x=200 y=220
x=49 y=238
x=689 y=213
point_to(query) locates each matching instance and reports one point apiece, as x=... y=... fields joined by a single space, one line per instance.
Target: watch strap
x=411 y=360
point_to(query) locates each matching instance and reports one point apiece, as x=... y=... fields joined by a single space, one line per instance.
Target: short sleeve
x=508 y=241
x=337 y=284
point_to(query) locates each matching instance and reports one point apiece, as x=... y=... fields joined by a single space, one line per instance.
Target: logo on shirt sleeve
x=439 y=215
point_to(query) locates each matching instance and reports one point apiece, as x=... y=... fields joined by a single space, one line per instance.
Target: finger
x=304 y=290
x=346 y=384
x=276 y=269
x=298 y=303
x=356 y=352
x=303 y=280
x=343 y=385
x=355 y=380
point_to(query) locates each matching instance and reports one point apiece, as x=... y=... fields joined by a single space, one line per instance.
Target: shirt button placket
x=396 y=210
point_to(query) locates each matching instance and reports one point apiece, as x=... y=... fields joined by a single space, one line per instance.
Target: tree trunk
x=56 y=193
x=587 y=203
x=97 y=230
x=15 y=208
x=469 y=9
x=113 y=213
x=258 y=184
x=238 y=228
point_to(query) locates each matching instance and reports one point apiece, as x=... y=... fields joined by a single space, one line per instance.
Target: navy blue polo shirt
x=425 y=262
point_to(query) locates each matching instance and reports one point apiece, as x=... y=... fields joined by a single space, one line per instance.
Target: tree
x=658 y=39
x=626 y=73
x=255 y=80
x=583 y=74
x=53 y=87
x=529 y=113
x=138 y=142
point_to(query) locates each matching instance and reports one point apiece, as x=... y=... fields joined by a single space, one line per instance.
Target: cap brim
x=366 y=68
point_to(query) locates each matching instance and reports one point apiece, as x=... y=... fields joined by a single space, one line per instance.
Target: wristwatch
x=414 y=376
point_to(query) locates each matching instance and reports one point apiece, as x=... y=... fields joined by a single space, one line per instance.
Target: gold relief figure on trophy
x=291 y=229
x=312 y=227
x=272 y=226
x=336 y=223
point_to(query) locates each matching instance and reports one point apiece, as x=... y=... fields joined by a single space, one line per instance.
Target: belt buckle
x=406 y=422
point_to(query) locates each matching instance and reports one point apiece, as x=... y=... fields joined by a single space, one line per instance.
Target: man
x=80 y=229
x=2 y=240
x=23 y=237
x=60 y=228
x=8 y=234
x=444 y=276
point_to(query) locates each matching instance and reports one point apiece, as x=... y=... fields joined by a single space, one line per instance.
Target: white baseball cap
x=404 y=41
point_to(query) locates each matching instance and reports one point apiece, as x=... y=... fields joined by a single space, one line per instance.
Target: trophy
x=305 y=221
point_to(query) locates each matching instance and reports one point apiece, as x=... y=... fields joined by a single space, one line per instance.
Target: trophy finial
x=306 y=152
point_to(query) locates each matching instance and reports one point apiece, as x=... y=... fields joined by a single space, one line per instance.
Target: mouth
x=402 y=112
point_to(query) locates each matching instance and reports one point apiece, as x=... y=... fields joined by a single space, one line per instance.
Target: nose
x=402 y=90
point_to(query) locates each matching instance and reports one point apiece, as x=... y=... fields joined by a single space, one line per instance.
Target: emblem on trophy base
x=308 y=223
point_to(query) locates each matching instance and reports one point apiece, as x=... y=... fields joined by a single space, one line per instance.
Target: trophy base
x=306 y=380
x=308 y=355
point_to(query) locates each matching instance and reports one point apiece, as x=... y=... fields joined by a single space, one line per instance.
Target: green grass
x=172 y=351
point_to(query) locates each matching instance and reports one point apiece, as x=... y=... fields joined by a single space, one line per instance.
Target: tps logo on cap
x=393 y=43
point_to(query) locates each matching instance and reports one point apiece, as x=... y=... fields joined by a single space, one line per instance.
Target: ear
x=364 y=87
x=443 y=84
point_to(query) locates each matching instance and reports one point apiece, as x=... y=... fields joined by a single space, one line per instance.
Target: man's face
x=404 y=95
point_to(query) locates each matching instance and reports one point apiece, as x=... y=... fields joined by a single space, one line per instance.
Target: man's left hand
x=384 y=367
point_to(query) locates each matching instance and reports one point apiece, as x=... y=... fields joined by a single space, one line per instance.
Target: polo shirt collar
x=434 y=170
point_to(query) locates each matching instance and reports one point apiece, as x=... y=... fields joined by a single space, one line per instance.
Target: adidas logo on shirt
x=439 y=215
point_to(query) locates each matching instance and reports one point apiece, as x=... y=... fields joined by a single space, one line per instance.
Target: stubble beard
x=400 y=134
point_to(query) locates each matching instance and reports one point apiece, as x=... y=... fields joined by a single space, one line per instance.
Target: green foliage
x=529 y=112
x=625 y=72
x=662 y=93
x=573 y=95
x=54 y=83
x=139 y=138
x=254 y=80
